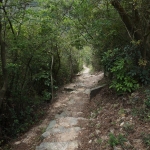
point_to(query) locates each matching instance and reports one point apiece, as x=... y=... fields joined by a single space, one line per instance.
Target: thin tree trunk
x=26 y=72
x=124 y=17
x=58 y=56
x=134 y=33
x=52 y=88
x=71 y=67
x=3 y=61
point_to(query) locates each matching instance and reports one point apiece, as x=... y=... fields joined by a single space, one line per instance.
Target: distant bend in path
x=85 y=69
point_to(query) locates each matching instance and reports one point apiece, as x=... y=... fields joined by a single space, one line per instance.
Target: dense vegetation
x=44 y=43
x=119 y=34
x=38 y=54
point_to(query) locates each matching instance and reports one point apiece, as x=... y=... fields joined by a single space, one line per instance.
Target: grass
x=116 y=140
x=129 y=128
x=146 y=139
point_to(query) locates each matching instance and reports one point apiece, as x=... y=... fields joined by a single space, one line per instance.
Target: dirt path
x=64 y=121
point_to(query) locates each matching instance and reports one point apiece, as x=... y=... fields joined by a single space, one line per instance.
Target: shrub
x=124 y=70
x=146 y=139
x=116 y=140
x=147 y=100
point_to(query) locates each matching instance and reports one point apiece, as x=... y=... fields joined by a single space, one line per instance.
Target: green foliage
x=72 y=32
x=147 y=100
x=113 y=51
x=113 y=141
x=125 y=84
x=116 y=140
x=146 y=139
x=144 y=76
x=86 y=55
x=99 y=141
x=119 y=67
x=141 y=74
x=39 y=33
x=143 y=113
x=20 y=116
x=46 y=95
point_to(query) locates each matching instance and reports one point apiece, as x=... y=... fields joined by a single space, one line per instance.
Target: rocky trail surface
x=60 y=131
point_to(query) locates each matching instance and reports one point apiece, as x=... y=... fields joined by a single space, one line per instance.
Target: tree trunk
x=71 y=66
x=52 y=88
x=134 y=33
x=3 y=61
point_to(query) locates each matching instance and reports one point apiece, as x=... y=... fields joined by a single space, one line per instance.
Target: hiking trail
x=61 y=133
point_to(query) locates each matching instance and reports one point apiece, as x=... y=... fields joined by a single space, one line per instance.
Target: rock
x=116 y=105
x=51 y=125
x=75 y=92
x=127 y=144
x=63 y=133
x=52 y=131
x=87 y=91
x=70 y=145
x=97 y=131
x=69 y=89
x=17 y=143
x=80 y=84
x=117 y=148
x=90 y=141
x=68 y=121
x=64 y=105
x=104 y=138
x=122 y=124
x=81 y=89
x=95 y=91
x=79 y=74
x=128 y=110
x=112 y=130
x=121 y=129
x=63 y=114
x=95 y=140
x=134 y=94
x=79 y=113
x=72 y=101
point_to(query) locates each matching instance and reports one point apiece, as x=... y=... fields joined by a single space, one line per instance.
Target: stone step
x=63 y=114
x=95 y=91
x=70 y=145
x=70 y=87
x=64 y=122
x=62 y=131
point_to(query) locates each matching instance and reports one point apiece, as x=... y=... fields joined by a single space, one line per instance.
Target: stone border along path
x=62 y=132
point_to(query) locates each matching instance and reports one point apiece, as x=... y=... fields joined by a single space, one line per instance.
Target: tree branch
x=9 y=21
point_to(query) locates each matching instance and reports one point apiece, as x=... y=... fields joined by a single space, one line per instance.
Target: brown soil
x=121 y=116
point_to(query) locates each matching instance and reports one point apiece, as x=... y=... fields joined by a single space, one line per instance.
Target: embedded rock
x=95 y=91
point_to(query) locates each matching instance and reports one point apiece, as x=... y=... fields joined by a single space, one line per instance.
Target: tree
x=37 y=55
x=136 y=21
x=3 y=58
